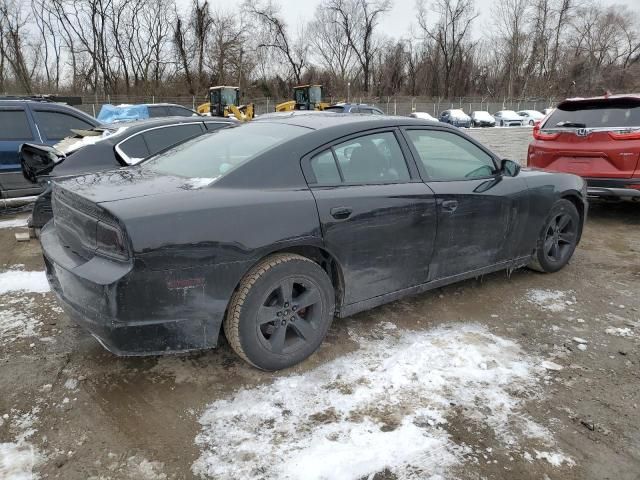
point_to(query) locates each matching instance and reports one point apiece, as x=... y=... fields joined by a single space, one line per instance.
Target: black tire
x=266 y=323
x=557 y=239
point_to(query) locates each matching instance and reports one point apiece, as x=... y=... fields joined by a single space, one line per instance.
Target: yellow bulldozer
x=225 y=102
x=305 y=97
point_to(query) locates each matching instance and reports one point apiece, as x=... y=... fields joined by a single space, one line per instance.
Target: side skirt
x=510 y=265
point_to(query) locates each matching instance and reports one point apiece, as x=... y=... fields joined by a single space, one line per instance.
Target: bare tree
x=274 y=36
x=358 y=20
x=12 y=46
x=449 y=33
x=331 y=44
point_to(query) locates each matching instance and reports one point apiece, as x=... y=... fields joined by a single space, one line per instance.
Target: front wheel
x=558 y=238
x=280 y=312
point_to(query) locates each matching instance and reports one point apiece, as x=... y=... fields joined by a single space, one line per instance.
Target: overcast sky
x=397 y=22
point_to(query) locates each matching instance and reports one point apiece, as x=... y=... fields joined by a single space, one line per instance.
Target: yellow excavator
x=224 y=101
x=305 y=97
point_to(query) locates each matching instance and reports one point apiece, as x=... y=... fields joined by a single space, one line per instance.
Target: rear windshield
x=212 y=155
x=595 y=115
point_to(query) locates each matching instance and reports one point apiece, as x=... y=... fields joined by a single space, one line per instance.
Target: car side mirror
x=509 y=168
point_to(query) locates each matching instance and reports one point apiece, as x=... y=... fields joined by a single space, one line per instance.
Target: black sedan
x=105 y=148
x=269 y=229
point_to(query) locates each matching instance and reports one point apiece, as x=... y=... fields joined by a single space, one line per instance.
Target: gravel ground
x=530 y=376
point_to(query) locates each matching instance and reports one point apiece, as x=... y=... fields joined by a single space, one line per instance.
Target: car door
x=481 y=213
x=16 y=128
x=376 y=215
x=56 y=125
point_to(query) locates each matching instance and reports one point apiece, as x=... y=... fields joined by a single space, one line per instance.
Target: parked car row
x=480 y=118
x=45 y=121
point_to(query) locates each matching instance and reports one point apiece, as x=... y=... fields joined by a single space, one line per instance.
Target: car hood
x=125 y=183
x=511 y=116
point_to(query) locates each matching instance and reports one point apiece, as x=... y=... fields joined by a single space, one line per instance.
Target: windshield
x=218 y=153
x=315 y=94
x=229 y=96
x=596 y=115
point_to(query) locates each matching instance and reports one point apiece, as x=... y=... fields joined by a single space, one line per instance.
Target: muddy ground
x=93 y=415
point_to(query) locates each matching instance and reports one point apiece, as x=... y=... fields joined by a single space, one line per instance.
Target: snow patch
x=13 y=223
x=385 y=406
x=554 y=458
x=194 y=183
x=21 y=317
x=619 y=332
x=551 y=300
x=18 y=280
x=18 y=458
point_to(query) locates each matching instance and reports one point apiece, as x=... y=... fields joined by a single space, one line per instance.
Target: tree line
x=141 y=47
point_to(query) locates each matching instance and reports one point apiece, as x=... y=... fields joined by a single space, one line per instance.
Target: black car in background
x=105 y=148
x=270 y=228
x=44 y=120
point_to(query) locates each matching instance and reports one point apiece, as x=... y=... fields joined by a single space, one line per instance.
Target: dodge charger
x=269 y=230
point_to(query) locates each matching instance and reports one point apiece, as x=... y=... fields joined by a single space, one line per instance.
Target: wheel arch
x=318 y=254
x=577 y=201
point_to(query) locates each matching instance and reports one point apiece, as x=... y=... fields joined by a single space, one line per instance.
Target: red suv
x=597 y=138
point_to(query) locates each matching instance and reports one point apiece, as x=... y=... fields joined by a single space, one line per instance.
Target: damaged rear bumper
x=132 y=312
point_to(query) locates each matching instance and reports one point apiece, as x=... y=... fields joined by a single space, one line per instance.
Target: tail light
x=628 y=135
x=634 y=186
x=110 y=241
x=540 y=135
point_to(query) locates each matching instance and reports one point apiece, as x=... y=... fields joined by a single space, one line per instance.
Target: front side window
x=14 y=125
x=447 y=156
x=375 y=158
x=58 y=125
x=218 y=153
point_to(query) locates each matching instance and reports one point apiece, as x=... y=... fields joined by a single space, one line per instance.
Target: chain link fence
x=397 y=105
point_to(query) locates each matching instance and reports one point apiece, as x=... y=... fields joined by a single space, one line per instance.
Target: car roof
x=324 y=120
x=164 y=105
x=620 y=99
x=160 y=121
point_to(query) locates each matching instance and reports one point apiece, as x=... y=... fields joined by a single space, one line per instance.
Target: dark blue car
x=32 y=121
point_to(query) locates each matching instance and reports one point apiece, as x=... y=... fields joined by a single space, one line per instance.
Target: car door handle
x=340 y=213
x=450 y=205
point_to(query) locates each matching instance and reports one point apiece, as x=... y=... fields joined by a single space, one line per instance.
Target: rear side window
x=215 y=125
x=447 y=156
x=180 y=112
x=58 y=125
x=325 y=169
x=595 y=115
x=14 y=125
x=157 y=112
x=135 y=148
x=375 y=158
x=161 y=138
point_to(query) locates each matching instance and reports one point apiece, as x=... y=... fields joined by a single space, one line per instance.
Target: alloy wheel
x=560 y=237
x=290 y=315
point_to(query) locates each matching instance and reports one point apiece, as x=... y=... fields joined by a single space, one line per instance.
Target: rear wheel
x=281 y=312
x=558 y=238
x=531 y=123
